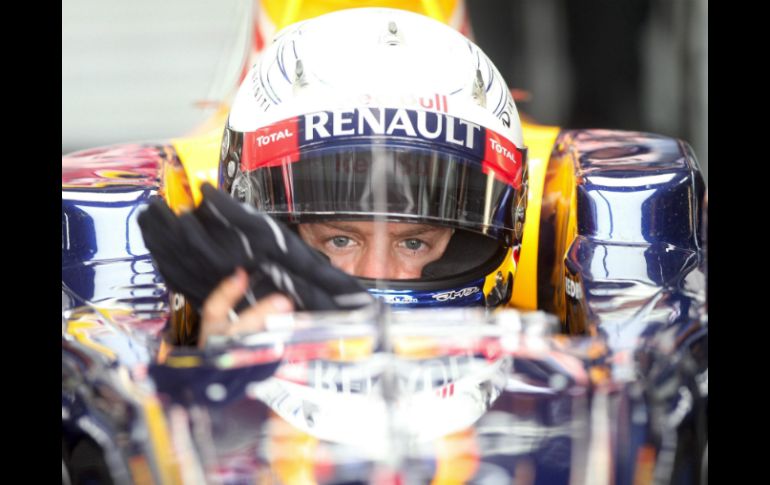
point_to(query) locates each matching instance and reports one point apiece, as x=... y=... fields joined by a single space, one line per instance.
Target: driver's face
x=374 y=250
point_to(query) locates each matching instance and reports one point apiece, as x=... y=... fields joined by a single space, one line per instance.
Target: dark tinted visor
x=377 y=163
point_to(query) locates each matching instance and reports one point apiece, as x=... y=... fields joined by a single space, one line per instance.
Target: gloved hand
x=195 y=251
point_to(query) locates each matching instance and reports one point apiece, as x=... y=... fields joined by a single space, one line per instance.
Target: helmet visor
x=420 y=173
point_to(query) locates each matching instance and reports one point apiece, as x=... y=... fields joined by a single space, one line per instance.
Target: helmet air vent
x=392 y=38
x=300 y=80
x=478 y=92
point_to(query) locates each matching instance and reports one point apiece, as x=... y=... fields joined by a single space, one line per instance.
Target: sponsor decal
x=435 y=101
x=446 y=391
x=439 y=100
x=431 y=101
x=454 y=294
x=573 y=289
x=438 y=128
x=436 y=375
x=398 y=299
x=272 y=137
x=345 y=378
x=271 y=146
x=503 y=158
x=282 y=142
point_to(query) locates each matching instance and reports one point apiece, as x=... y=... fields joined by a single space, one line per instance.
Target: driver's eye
x=340 y=241
x=413 y=244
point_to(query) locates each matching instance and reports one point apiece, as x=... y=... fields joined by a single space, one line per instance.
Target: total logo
x=263 y=140
x=399 y=299
x=497 y=147
x=454 y=294
x=427 y=125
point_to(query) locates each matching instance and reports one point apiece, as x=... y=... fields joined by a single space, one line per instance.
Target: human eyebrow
x=339 y=226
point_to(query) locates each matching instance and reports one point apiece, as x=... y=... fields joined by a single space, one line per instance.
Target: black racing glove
x=195 y=251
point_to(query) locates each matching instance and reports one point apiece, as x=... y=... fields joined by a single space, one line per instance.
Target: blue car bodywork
x=628 y=284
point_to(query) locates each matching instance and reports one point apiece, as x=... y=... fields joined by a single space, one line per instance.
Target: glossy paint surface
x=534 y=405
x=103 y=253
x=632 y=256
x=524 y=401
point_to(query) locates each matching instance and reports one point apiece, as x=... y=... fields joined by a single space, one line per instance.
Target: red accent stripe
x=503 y=158
x=259 y=40
x=271 y=146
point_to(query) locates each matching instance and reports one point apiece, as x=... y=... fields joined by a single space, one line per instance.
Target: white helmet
x=385 y=114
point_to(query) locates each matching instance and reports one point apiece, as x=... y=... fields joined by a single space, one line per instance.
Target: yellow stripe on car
x=539 y=140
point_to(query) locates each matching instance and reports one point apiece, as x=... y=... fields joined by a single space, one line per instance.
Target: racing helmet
x=385 y=115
